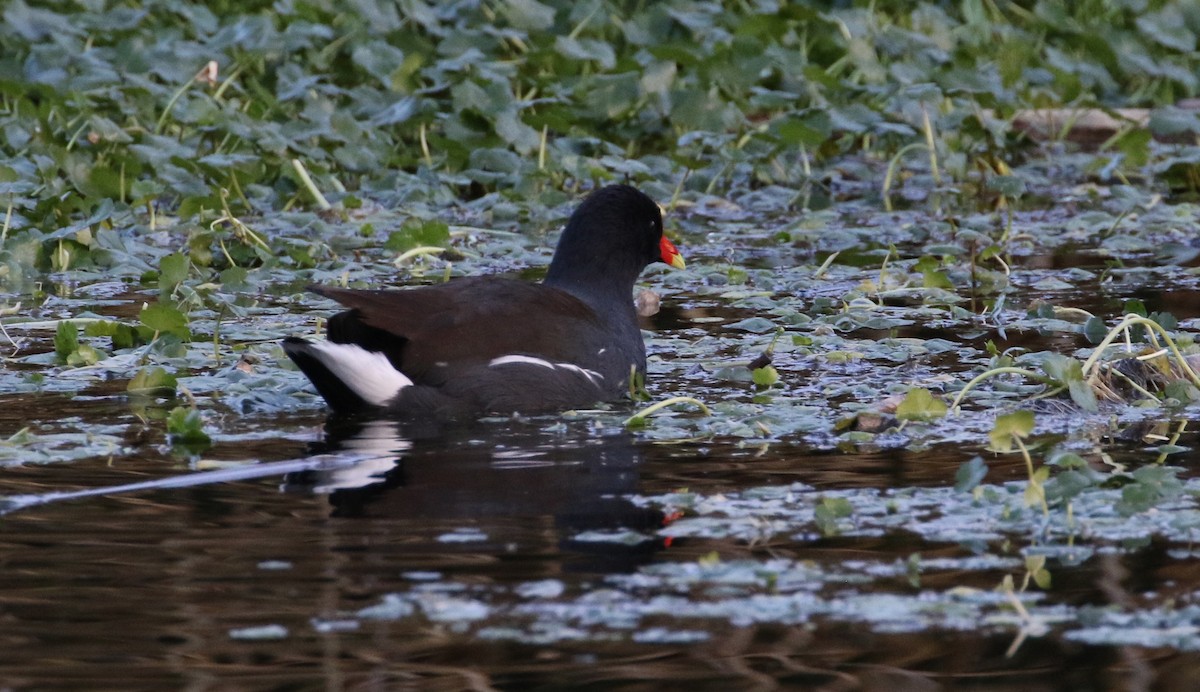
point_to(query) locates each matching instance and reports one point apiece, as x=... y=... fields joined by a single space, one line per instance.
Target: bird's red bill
x=670 y=254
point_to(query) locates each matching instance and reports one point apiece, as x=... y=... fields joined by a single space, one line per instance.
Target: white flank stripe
x=592 y=375
x=368 y=374
x=528 y=360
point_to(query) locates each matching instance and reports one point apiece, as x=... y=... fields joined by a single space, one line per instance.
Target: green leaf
x=829 y=511
x=755 y=325
x=1007 y=185
x=1152 y=485
x=920 y=405
x=1035 y=491
x=765 y=376
x=515 y=132
x=936 y=279
x=1135 y=307
x=1064 y=370
x=152 y=381
x=528 y=14
x=1095 y=330
x=811 y=130
x=419 y=234
x=1067 y=460
x=658 y=77
x=1169 y=28
x=172 y=271
x=970 y=474
x=84 y=355
x=1067 y=485
x=234 y=278
x=586 y=49
x=1010 y=426
x=122 y=335
x=165 y=319
x=379 y=59
x=1135 y=145
x=1165 y=320
x=611 y=95
x=1182 y=391
x=1083 y=395
x=66 y=340
x=185 y=426
x=1173 y=122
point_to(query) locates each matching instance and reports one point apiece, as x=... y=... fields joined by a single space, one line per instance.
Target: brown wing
x=429 y=330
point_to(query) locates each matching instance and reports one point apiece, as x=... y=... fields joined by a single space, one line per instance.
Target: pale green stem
x=417 y=252
x=1128 y=321
x=322 y=203
x=654 y=408
x=992 y=373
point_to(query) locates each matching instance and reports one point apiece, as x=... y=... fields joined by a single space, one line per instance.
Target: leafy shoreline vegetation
x=106 y=104
x=847 y=174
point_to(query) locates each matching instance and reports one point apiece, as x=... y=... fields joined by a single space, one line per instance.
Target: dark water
x=146 y=590
x=162 y=589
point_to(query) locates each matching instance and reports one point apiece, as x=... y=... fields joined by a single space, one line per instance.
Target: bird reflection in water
x=489 y=472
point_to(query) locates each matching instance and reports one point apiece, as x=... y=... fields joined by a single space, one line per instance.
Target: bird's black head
x=616 y=231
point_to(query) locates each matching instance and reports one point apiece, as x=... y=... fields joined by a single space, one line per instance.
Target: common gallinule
x=494 y=345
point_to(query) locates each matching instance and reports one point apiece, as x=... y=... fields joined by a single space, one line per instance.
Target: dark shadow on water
x=422 y=472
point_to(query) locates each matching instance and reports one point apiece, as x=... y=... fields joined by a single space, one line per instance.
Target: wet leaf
x=765 y=376
x=152 y=381
x=970 y=474
x=1062 y=369
x=1152 y=485
x=1182 y=391
x=1083 y=395
x=587 y=49
x=920 y=405
x=809 y=130
x=830 y=511
x=1095 y=330
x=172 y=271
x=1171 y=121
x=1035 y=489
x=1010 y=426
x=528 y=14
x=419 y=234
x=756 y=325
x=165 y=319
x=1007 y=185
x=185 y=426
x=66 y=340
